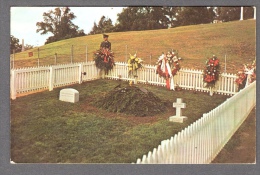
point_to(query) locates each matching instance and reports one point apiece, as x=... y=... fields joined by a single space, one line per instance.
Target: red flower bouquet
x=211 y=71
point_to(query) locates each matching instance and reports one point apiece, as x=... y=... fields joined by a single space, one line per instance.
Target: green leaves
x=104 y=25
x=59 y=23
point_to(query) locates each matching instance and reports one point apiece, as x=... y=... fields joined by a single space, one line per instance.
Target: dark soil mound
x=132 y=100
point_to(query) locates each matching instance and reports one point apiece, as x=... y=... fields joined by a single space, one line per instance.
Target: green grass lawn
x=195 y=43
x=46 y=130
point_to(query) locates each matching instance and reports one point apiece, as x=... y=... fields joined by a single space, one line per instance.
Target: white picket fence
x=201 y=141
x=33 y=79
x=185 y=78
x=26 y=80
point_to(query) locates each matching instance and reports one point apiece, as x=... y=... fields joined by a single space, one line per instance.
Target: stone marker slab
x=178 y=117
x=69 y=95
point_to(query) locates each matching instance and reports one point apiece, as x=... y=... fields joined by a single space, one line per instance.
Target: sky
x=24 y=19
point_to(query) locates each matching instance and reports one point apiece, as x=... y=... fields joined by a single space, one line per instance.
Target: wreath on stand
x=173 y=61
x=104 y=59
x=246 y=76
x=211 y=72
x=133 y=64
x=167 y=67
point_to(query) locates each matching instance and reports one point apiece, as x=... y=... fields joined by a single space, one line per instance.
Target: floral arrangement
x=241 y=79
x=211 y=72
x=168 y=65
x=176 y=65
x=104 y=59
x=134 y=64
x=246 y=76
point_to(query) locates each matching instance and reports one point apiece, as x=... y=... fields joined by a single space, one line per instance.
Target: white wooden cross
x=178 y=117
x=178 y=105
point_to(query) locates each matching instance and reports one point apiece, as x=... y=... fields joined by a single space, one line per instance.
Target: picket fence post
x=13 y=88
x=80 y=73
x=51 y=79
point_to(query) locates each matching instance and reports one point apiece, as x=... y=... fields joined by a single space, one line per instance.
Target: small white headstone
x=69 y=95
x=178 y=117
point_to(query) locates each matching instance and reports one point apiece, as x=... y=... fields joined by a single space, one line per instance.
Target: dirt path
x=242 y=146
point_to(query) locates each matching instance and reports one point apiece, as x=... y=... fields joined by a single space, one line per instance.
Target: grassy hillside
x=194 y=43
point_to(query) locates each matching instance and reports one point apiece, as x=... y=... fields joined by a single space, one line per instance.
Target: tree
x=104 y=25
x=171 y=13
x=194 y=15
x=59 y=23
x=142 y=18
x=27 y=47
x=94 y=29
x=14 y=45
x=149 y=18
x=233 y=13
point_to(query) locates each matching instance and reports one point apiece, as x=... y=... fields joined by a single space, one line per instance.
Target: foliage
x=14 y=45
x=141 y=18
x=233 y=13
x=194 y=15
x=104 y=25
x=149 y=18
x=59 y=23
x=28 y=47
x=132 y=100
x=134 y=63
x=104 y=59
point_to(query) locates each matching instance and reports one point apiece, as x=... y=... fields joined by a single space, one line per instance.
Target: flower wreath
x=104 y=59
x=211 y=71
x=134 y=64
x=242 y=75
x=241 y=79
x=173 y=61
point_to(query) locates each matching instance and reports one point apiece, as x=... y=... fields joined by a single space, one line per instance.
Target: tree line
x=59 y=21
x=151 y=18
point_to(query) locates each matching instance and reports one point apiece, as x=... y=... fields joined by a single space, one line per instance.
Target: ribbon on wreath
x=249 y=72
x=246 y=76
x=166 y=69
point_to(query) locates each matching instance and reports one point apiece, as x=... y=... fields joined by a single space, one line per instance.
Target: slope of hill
x=195 y=43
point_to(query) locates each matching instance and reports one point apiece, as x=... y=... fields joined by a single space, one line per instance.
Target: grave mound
x=132 y=100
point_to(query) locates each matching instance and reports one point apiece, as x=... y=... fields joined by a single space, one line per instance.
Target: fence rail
x=185 y=78
x=39 y=78
x=201 y=141
x=32 y=79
